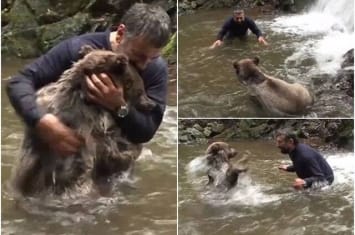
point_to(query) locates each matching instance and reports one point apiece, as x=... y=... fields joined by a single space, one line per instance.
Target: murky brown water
x=144 y=205
x=263 y=202
x=207 y=82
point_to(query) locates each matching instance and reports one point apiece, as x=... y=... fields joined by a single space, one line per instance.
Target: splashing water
x=328 y=26
x=246 y=192
x=343 y=167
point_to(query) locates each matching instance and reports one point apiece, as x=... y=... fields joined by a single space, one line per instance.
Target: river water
x=145 y=204
x=305 y=48
x=264 y=202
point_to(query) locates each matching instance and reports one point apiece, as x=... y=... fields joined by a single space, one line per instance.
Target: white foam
x=328 y=27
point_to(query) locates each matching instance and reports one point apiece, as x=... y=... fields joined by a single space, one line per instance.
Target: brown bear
x=222 y=172
x=105 y=152
x=277 y=96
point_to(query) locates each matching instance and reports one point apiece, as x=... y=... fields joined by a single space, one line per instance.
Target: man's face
x=284 y=145
x=238 y=17
x=140 y=52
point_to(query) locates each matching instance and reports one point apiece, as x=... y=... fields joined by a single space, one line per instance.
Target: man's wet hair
x=148 y=20
x=287 y=134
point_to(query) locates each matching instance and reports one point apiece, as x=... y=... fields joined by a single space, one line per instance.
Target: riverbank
x=32 y=27
x=333 y=133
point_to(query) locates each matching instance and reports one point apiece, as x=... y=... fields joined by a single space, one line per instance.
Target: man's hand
x=216 y=44
x=59 y=137
x=262 y=40
x=283 y=167
x=299 y=183
x=104 y=92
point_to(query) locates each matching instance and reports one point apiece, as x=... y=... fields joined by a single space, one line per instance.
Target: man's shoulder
x=248 y=19
x=97 y=40
x=306 y=150
x=157 y=66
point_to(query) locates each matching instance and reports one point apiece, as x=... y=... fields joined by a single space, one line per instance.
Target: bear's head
x=219 y=153
x=116 y=65
x=248 y=71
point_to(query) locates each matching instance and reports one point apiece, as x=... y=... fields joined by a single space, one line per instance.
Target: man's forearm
x=21 y=93
x=290 y=168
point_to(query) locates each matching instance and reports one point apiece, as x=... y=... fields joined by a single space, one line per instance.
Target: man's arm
x=139 y=126
x=225 y=28
x=289 y=168
x=317 y=175
x=21 y=88
x=252 y=26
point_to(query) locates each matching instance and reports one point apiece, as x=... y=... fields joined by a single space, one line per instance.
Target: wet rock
x=216 y=127
x=197 y=127
x=54 y=33
x=26 y=24
x=326 y=133
x=348 y=59
x=207 y=131
x=195 y=133
x=345 y=78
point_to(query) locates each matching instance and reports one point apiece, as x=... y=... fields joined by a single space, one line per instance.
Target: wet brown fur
x=277 y=96
x=105 y=153
x=219 y=155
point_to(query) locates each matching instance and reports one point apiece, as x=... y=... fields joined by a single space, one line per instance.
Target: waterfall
x=339 y=9
x=327 y=30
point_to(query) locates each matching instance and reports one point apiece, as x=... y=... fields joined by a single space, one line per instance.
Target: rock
x=54 y=33
x=21 y=17
x=216 y=127
x=195 y=133
x=197 y=127
x=207 y=131
x=20 y=44
x=344 y=80
x=348 y=59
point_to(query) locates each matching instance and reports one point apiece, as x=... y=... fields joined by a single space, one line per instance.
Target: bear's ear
x=256 y=60
x=84 y=50
x=213 y=148
x=235 y=64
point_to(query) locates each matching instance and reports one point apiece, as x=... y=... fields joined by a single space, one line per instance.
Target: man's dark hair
x=238 y=11
x=287 y=134
x=149 y=21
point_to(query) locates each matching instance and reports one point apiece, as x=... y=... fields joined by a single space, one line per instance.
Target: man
x=309 y=165
x=143 y=32
x=237 y=26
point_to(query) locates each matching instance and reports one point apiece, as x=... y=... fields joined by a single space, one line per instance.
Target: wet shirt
x=232 y=29
x=139 y=127
x=309 y=165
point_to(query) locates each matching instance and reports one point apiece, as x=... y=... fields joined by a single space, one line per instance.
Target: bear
x=275 y=95
x=105 y=152
x=221 y=171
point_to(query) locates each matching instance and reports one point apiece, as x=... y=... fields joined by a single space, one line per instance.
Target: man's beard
x=284 y=150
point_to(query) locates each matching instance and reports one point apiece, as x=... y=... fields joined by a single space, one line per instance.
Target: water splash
x=246 y=192
x=343 y=166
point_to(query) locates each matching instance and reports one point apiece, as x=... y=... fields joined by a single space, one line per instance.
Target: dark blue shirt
x=310 y=165
x=238 y=30
x=138 y=126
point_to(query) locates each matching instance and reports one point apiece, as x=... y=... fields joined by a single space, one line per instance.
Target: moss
x=169 y=51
